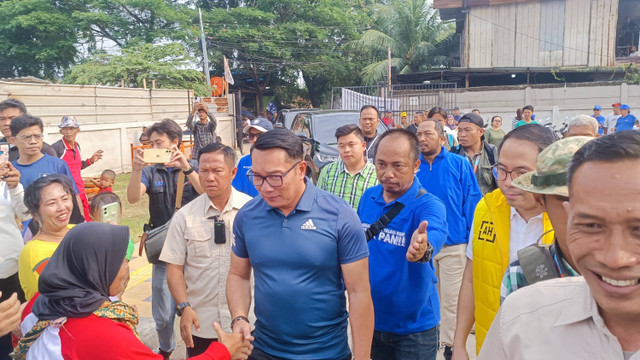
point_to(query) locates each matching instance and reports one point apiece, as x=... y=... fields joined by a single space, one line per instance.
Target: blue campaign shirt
x=405 y=297
x=601 y=121
x=452 y=180
x=42 y=167
x=300 y=304
x=241 y=182
x=625 y=123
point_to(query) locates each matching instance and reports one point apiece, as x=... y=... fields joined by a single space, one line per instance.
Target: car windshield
x=324 y=127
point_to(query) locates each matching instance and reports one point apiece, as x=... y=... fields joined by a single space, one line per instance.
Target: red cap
x=616 y=105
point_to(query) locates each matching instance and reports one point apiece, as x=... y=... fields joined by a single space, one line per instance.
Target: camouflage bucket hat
x=550 y=176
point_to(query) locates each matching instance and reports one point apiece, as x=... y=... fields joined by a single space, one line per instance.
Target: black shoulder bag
x=386 y=218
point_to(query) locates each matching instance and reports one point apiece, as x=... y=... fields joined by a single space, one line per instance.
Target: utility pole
x=205 y=59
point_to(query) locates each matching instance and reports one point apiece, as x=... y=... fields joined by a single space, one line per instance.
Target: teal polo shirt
x=299 y=289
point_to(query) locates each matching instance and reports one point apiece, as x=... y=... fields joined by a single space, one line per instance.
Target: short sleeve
x=174 y=250
x=352 y=244
x=239 y=246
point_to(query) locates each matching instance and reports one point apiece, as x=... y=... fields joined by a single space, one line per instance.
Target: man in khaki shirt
x=597 y=315
x=197 y=249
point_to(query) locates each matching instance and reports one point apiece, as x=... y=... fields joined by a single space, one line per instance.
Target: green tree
x=418 y=39
x=37 y=38
x=167 y=64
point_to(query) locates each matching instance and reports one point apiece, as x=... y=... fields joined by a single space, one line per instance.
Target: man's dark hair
x=281 y=139
x=167 y=127
x=24 y=121
x=33 y=193
x=229 y=154
x=438 y=125
x=475 y=110
x=615 y=147
x=527 y=107
x=537 y=134
x=411 y=138
x=13 y=104
x=110 y=173
x=103 y=199
x=437 y=110
x=370 y=107
x=345 y=130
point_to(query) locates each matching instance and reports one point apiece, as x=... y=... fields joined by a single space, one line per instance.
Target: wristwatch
x=180 y=307
x=427 y=254
x=191 y=169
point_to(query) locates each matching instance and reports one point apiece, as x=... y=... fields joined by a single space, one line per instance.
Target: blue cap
x=261 y=124
x=597 y=107
x=533 y=116
x=624 y=107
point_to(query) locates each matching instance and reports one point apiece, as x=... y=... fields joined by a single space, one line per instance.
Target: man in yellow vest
x=505 y=221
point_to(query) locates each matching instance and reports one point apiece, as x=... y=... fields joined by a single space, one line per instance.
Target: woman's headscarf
x=77 y=278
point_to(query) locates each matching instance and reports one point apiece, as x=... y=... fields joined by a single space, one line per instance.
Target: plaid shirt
x=203 y=134
x=335 y=178
x=514 y=278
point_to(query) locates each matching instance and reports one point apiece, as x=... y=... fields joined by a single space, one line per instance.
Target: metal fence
x=397 y=98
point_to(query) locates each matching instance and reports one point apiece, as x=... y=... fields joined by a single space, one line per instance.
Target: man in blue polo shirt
x=306 y=246
x=449 y=177
x=626 y=120
x=599 y=118
x=255 y=128
x=403 y=279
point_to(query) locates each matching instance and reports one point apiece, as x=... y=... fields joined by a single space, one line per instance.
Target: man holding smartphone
x=160 y=182
x=198 y=249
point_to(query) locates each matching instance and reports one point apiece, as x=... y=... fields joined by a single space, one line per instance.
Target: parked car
x=317 y=130
x=285 y=117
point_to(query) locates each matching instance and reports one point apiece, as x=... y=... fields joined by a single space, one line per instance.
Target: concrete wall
x=110 y=118
x=553 y=102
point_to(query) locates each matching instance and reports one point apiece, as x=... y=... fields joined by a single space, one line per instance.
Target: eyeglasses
x=67 y=129
x=272 y=180
x=501 y=173
x=251 y=136
x=36 y=137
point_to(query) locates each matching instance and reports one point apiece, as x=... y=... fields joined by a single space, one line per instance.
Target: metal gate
x=397 y=98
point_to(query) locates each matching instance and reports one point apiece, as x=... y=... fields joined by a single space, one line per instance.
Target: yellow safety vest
x=491 y=227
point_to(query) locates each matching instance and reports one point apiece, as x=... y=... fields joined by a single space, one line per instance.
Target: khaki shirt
x=190 y=242
x=553 y=319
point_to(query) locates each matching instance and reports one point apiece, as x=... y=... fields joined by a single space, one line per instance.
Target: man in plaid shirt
x=204 y=130
x=350 y=176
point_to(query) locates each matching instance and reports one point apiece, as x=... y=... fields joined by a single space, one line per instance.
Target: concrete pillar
x=624 y=93
x=528 y=96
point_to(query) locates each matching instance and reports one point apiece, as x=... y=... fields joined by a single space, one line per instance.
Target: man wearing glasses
x=26 y=135
x=505 y=221
x=306 y=246
x=255 y=128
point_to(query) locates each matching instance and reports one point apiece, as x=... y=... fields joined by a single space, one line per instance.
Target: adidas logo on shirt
x=308 y=225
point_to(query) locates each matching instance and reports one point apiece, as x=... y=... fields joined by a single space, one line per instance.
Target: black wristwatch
x=427 y=254
x=180 y=307
x=191 y=169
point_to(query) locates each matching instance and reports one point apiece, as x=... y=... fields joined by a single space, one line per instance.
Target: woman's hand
x=239 y=347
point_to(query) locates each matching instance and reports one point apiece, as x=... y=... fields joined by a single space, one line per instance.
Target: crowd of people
x=414 y=238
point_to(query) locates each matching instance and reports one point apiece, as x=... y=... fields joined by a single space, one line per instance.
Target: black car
x=317 y=130
x=285 y=117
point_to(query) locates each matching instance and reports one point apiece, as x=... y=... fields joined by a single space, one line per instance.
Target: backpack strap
x=386 y=218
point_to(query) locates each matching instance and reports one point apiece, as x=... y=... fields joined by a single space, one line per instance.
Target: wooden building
x=543 y=33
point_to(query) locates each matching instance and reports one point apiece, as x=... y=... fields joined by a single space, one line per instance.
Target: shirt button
x=285 y=220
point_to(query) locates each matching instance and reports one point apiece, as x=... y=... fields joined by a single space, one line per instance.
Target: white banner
x=352 y=100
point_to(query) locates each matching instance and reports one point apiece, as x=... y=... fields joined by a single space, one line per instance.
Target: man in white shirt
x=197 y=249
x=611 y=119
x=505 y=221
x=597 y=315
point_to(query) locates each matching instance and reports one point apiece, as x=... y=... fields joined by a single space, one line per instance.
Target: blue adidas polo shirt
x=625 y=123
x=299 y=289
x=405 y=297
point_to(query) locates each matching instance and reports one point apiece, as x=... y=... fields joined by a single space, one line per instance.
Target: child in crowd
x=99 y=201
x=105 y=182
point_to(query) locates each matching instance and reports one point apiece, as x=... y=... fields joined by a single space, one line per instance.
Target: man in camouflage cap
x=549 y=184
